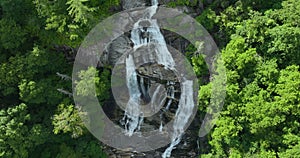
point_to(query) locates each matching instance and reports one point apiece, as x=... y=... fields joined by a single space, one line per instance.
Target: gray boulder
x=128 y=4
x=115 y=50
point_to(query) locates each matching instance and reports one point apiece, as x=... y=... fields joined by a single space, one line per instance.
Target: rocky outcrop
x=188 y=147
x=157 y=72
x=115 y=50
x=128 y=4
x=176 y=41
x=190 y=10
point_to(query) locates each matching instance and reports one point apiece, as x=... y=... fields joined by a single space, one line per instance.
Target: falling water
x=132 y=112
x=155 y=94
x=141 y=35
x=171 y=93
x=153 y=35
x=183 y=113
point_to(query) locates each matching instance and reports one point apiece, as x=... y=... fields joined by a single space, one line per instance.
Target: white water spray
x=132 y=112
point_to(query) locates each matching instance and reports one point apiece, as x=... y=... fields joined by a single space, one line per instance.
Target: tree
x=68 y=120
x=90 y=78
x=17 y=138
x=259 y=118
x=72 y=19
x=32 y=35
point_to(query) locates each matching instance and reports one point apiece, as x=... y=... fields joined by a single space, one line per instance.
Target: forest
x=259 y=41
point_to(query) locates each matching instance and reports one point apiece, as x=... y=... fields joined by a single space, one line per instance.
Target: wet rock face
x=193 y=11
x=190 y=10
x=188 y=147
x=157 y=72
x=128 y=4
x=176 y=41
x=115 y=50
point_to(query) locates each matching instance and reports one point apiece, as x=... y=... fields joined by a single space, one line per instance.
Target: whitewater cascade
x=132 y=112
x=133 y=117
x=183 y=113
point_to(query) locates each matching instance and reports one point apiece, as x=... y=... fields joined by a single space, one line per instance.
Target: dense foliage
x=37 y=39
x=261 y=54
x=259 y=42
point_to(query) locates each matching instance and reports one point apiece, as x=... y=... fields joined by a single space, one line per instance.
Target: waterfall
x=183 y=113
x=154 y=98
x=132 y=112
x=171 y=93
x=141 y=35
x=132 y=115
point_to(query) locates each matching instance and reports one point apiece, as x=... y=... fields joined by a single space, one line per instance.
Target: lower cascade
x=132 y=109
x=133 y=117
x=185 y=109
